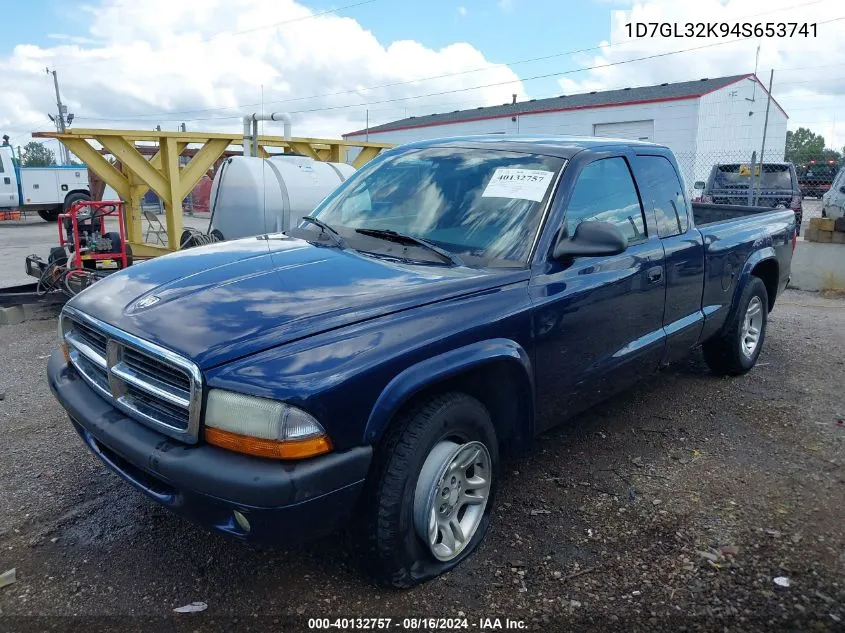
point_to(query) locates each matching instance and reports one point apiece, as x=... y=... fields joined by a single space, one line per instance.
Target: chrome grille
x=95 y=339
x=150 y=366
x=147 y=382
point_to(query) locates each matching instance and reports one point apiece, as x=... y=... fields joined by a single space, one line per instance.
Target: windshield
x=740 y=175
x=478 y=203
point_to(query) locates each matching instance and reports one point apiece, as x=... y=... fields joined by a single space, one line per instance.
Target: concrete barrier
x=817 y=266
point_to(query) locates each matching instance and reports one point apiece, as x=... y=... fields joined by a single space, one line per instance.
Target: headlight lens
x=62 y=343
x=262 y=427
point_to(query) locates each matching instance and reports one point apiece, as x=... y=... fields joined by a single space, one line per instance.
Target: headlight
x=262 y=427
x=63 y=327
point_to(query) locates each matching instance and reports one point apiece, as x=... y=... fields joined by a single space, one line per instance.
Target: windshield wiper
x=326 y=229
x=395 y=236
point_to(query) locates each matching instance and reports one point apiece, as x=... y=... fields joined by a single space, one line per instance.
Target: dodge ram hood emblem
x=146 y=302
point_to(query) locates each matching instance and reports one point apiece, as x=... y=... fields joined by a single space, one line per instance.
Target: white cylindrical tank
x=251 y=196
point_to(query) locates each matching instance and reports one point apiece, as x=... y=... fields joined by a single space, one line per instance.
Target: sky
x=334 y=65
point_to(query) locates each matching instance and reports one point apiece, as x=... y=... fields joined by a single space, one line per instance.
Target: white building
x=704 y=122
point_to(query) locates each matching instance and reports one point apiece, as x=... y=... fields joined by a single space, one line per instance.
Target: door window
x=605 y=191
x=660 y=182
x=2 y=170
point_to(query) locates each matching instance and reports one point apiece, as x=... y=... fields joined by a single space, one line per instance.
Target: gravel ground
x=672 y=507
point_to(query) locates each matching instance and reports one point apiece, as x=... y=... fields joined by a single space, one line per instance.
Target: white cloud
x=809 y=82
x=462 y=12
x=506 y=5
x=159 y=56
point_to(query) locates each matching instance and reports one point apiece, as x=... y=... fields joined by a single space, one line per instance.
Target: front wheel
x=432 y=490
x=736 y=350
x=50 y=215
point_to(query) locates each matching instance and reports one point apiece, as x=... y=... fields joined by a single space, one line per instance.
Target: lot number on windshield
x=525 y=184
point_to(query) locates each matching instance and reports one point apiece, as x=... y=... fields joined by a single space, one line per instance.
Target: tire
x=50 y=216
x=727 y=354
x=824 y=213
x=397 y=494
x=73 y=198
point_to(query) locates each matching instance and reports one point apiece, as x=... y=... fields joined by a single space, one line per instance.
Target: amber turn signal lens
x=290 y=449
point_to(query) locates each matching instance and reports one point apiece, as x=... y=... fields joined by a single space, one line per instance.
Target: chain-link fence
x=737 y=177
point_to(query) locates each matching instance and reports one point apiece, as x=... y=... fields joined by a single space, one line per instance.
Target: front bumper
x=282 y=501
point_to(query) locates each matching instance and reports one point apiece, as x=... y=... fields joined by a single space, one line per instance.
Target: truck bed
x=706 y=213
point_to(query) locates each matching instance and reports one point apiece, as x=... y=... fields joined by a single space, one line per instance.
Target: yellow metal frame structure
x=171 y=181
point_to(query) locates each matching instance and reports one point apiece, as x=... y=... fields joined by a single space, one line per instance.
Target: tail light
x=794 y=240
x=707 y=199
x=796 y=203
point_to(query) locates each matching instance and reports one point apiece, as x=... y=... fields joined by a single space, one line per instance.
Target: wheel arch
x=757 y=265
x=75 y=191
x=768 y=271
x=497 y=372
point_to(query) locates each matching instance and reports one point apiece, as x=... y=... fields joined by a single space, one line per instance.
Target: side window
x=1 y=165
x=605 y=191
x=663 y=191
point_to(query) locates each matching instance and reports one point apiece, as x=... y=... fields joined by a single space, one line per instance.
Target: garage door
x=636 y=130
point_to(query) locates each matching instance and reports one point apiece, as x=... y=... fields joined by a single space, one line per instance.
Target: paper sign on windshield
x=524 y=184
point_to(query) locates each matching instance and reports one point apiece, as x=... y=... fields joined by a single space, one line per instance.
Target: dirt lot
x=673 y=507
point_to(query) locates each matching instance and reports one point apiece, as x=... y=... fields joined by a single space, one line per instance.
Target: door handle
x=654 y=274
x=7 y=181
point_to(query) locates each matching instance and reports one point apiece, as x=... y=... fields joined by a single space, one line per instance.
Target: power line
x=157 y=115
x=228 y=33
x=480 y=87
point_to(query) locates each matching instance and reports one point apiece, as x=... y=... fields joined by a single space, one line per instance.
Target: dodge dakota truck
x=372 y=366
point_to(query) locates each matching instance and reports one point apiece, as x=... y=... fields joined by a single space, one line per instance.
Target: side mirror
x=699 y=184
x=592 y=239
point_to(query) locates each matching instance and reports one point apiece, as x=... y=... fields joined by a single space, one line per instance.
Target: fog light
x=242 y=521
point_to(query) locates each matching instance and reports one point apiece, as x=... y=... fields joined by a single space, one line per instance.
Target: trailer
x=48 y=191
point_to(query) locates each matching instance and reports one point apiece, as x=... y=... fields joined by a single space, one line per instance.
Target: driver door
x=598 y=321
x=8 y=181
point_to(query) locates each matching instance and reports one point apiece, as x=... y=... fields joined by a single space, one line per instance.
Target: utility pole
x=61 y=122
x=765 y=130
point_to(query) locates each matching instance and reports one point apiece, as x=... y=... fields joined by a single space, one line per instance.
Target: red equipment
x=86 y=253
x=85 y=223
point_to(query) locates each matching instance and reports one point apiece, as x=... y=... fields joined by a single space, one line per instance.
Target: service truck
x=48 y=191
x=447 y=303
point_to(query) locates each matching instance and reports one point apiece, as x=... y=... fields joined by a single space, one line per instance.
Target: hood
x=227 y=300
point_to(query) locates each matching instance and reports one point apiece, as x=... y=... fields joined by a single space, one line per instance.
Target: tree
x=36 y=155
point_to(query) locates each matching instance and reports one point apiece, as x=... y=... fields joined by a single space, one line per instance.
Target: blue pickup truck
x=449 y=302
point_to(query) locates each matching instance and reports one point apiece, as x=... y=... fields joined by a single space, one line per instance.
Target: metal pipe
x=251 y=129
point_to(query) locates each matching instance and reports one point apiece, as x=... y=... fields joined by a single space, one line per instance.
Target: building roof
x=607 y=98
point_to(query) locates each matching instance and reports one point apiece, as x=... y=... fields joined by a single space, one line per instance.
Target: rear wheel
x=432 y=490
x=736 y=350
x=73 y=198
